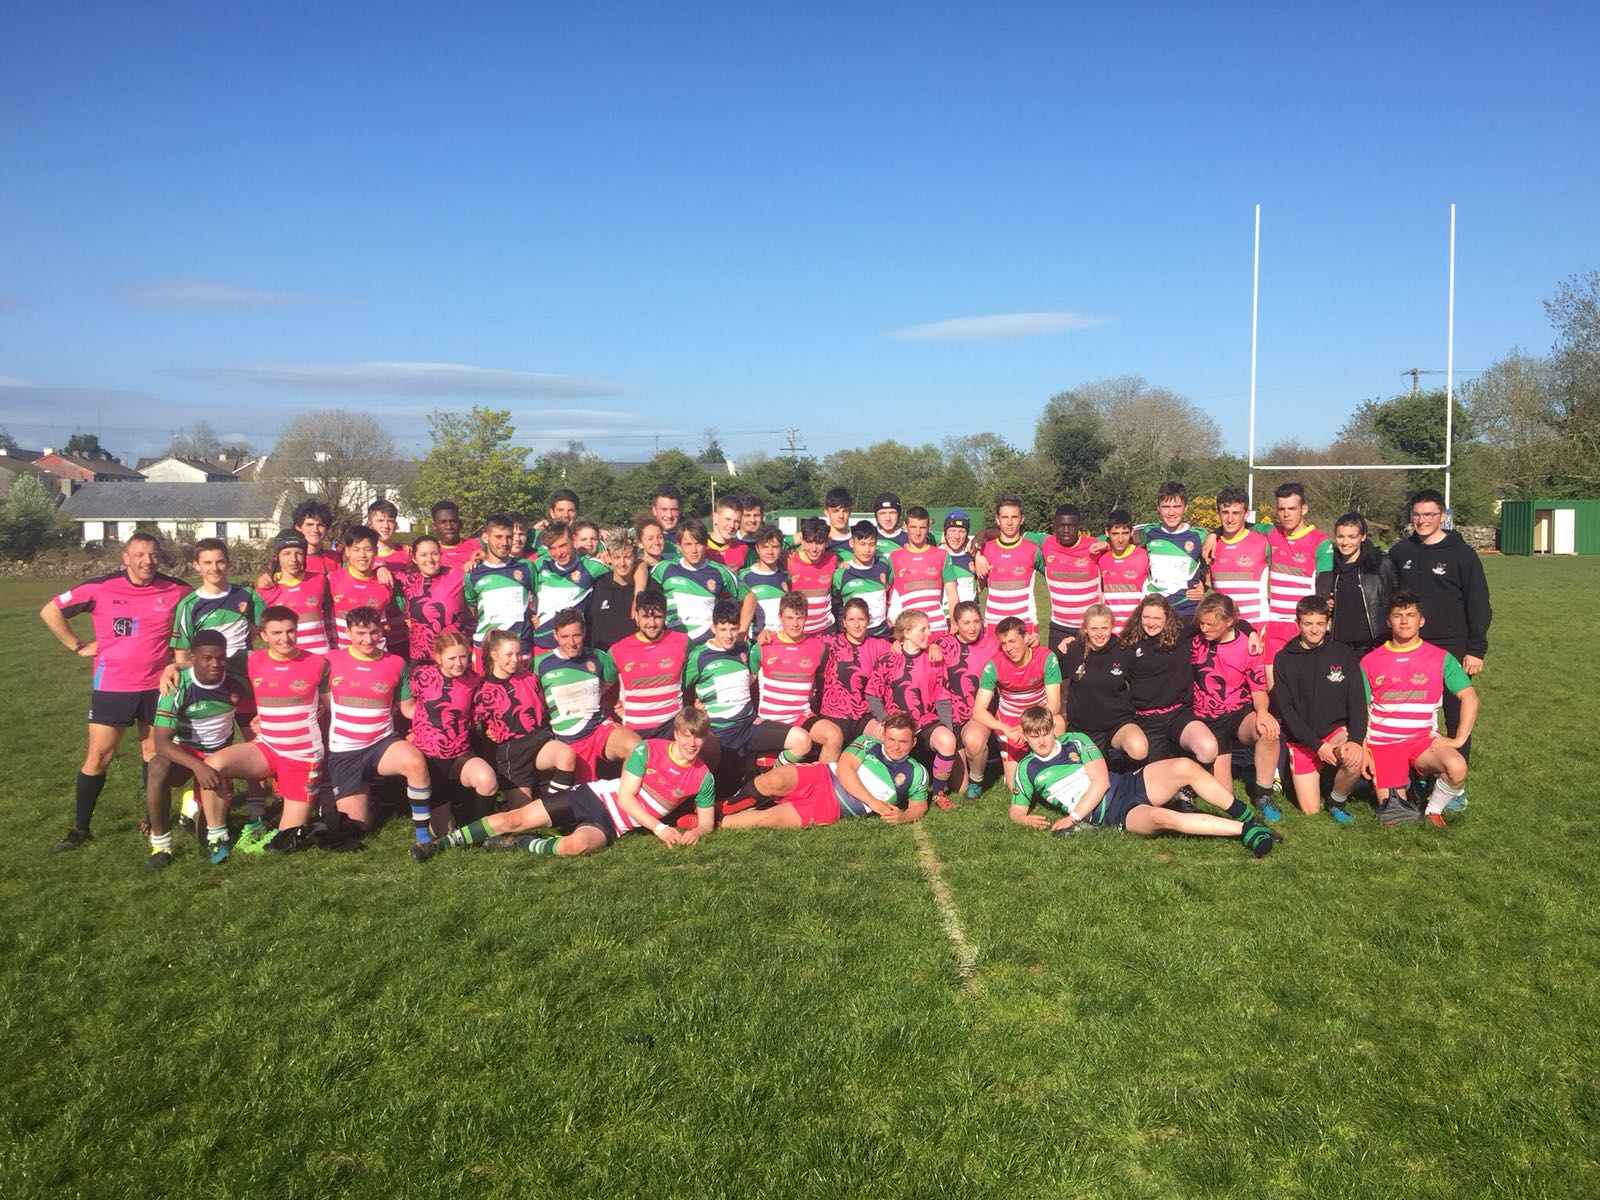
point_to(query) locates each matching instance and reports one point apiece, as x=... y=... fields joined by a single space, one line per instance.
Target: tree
x=785 y=482
x=1513 y=408
x=473 y=461
x=345 y=459
x=87 y=445
x=711 y=450
x=7 y=442
x=885 y=467
x=30 y=521
x=1070 y=436
x=1575 y=379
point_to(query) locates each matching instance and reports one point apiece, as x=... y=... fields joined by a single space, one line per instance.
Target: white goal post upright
x=1449 y=386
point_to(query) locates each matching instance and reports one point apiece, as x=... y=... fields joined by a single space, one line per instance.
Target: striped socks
x=418 y=798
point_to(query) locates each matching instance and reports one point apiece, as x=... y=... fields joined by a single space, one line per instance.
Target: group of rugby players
x=535 y=686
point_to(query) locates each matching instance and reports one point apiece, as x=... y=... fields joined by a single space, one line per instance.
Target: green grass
x=1363 y=1013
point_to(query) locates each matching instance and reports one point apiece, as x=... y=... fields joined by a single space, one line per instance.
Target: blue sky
x=627 y=222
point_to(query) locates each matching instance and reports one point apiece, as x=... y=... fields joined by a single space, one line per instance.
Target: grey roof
x=7 y=463
x=172 y=502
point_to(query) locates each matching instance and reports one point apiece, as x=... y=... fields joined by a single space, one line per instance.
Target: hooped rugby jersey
x=1071 y=578
x=650 y=677
x=287 y=693
x=1239 y=569
x=917 y=583
x=1009 y=584
x=814 y=581
x=348 y=591
x=1292 y=573
x=1020 y=686
x=1124 y=582
x=786 y=675
x=234 y=613
x=362 y=693
x=308 y=597
x=1405 y=689
x=665 y=784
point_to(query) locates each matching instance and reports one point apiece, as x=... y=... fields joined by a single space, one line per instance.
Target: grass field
x=1363 y=1013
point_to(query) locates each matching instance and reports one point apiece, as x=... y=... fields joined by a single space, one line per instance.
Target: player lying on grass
x=1064 y=772
x=1323 y=710
x=193 y=721
x=1406 y=679
x=872 y=778
x=660 y=777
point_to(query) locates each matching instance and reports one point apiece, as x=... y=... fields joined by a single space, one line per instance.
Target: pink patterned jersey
x=1226 y=675
x=308 y=597
x=1020 y=686
x=1405 y=687
x=1239 y=571
x=1071 y=577
x=1124 y=581
x=963 y=664
x=349 y=591
x=362 y=693
x=433 y=604
x=287 y=691
x=650 y=675
x=132 y=627
x=441 y=727
x=787 y=674
x=846 y=670
x=664 y=784
x=1009 y=584
x=814 y=581
x=510 y=707
x=1296 y=559
x=916 y=583
x=909 y=683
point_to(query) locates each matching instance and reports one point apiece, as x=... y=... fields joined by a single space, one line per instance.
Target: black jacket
x=1376 y=578
x=1316 y=691
x=1448 y=578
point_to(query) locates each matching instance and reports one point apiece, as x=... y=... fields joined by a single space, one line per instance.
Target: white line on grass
x=966 y=952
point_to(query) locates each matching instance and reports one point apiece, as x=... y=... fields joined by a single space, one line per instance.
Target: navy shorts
x=123 y=708
x=579 y=806
x=1125 y=794
x=353 y=770
x=1163 y=729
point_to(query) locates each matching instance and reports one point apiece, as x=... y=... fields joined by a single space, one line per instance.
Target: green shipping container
x=1550 y=527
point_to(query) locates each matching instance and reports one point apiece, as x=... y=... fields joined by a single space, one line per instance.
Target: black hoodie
x=1448 y=578
x=1318 y=690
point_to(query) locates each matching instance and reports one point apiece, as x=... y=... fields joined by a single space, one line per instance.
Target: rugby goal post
x=1449 y=386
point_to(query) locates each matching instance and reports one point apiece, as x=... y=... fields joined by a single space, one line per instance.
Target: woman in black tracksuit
x=1358 y=587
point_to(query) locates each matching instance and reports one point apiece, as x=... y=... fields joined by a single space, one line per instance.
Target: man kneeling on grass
x=872 y=778
x=658 y=778
x=1066 y=773
x=193 y=721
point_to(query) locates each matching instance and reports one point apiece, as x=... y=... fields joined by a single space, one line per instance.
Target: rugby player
x=193 y=721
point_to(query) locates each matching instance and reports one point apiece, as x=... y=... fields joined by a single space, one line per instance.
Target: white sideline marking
x=966 y=952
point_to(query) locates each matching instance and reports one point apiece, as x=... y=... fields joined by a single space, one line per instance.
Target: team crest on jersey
x=665 y=662
x=592 y=668
x=1247 y=560
x=1299 y=557
x=1336 y=674
x=1439 y=568
x=1138 y=651
x=1074 y=757
x=1406 y=566
x=806 y=662
x=1116 y=669
x=243 y=605
x=336 y=680
x=899 y=779
x=257 y=680
x=1419 y=678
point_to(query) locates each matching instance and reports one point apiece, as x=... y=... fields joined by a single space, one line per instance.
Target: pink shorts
x=813 y=796
x=294 y=779
x=590 y=749
x=1392 y=762
x=1303 y=760
x=1275 y=637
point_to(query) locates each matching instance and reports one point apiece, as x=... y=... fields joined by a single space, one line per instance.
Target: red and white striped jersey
x=351 y=591
x=665 y=784
x=916 y=584
x=814 y=581
x=1018 y=687
x=1239 y=571
x=362 y=694
x=787 y=674
x=651 y=678
x=1405 y=687
x=1295 y=561
x=1009 y=584
x=286 y=692
x=1071 y=577
x=309 y=599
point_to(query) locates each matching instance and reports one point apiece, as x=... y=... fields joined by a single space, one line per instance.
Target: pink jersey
x=132 y=627
x=814 y=581
x=309 y=599
x=909 y=683
x=1293 y=573
x=916 y=584
x=664 y=783
x=1226 y=675
x=963 y=665
x=1124 y=581
x=1239 y=571
x=397 y=559
x=350 y=591
x=362 y=692
x=324 y=561
x=787 y=674
x=1020 y=686
x=1405 y=687
x=462 y=555
x=1072 y=578
x=1009 y=584
x=650 y=675
x=433 y=605
x=286 y=691
x=441 y=726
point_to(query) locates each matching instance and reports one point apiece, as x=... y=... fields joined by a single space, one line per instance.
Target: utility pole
x=1415 y=373
x=794 y=446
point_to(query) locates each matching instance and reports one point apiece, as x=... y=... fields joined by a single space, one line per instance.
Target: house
x=16 y=463
x=172 y=469
x=111 y=512
x=68 y=472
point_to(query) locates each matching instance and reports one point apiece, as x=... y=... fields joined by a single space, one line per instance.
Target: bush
x=30 y=521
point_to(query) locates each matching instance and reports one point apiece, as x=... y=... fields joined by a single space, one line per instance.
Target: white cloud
x=405 y=379
x=205 y=293
x=999 y=327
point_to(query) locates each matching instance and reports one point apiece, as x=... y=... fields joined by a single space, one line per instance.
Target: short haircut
x=214 y=638
x=917 y=513
x=444 y=506
x=210 y=544
x=357 y=534
x=749 y=500
x=1037 y=721
x=1310 y=606
x=793 y=602
x=838 y=498
x=665 y=491
x=864 y=529
x=652 y=599
x=1117 y=517
x=1217 y=604
x=500 y=520
x=900 y=721
x=386 y=507
x=962 y=609
x=565 y=619
x=554 y=532
x=725 y=613
x=279 y=612
x=813 y=529
x=581 y=524
x=1425 y=496
x=1068 y=510
x=496 y=638
x=1011 y=625
x=1355 y=519
x=645 y=521
x=696 y=722
x=1171 y=488
x=311 y=508
x=768 y=532
x=730 y=500
x=1293 y=488
x=424 y=537
x=560 y=494
x=693 y=528
x=1404 y=598
x=1009 y=500
x=363 y=617
x=1233 y=495
x=449 y=639
x=143 y=535
x=623 y=543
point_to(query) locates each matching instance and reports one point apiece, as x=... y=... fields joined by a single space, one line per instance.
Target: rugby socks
x=786 y=757
x=559 y=781
x=1337 y=800
x=216 y=834
x=942 y=766
x=88 y=795
x=474 y=834
x=1257 y=838
x=539 y=845
x=161 y=843
x=418 y=798
x=1238 y=811
x=1443 y=793
x=975 y=778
